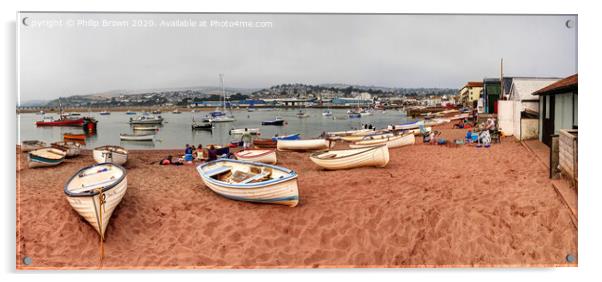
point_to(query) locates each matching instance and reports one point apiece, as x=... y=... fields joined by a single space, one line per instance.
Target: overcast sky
x=68 y=58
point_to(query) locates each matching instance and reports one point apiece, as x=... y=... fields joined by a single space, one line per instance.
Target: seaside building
x=558 y=104
x=518 y=113
x=470 y=93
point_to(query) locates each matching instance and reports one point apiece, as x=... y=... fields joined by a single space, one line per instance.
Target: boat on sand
x=391 y=142
x=251 y=181
x=354 y=138
x=351 y=158
x=257 y=155
x=45 y=157
x=347 y=133
x=110 y=154
x=30 y=145
x=264 y=143
x=71 y=148
x=94 y=192
x=304 y=145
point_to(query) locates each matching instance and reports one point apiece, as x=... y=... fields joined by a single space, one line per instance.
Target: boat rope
x=101 y=202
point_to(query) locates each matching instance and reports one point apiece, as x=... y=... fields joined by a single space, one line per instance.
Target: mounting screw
x=570 y=258
x=27 y=260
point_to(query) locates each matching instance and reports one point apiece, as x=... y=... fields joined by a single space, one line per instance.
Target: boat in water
x=327 y=113
x=257 y=155
x=142 y=127
x=302 y=114
x=277 y=121
x=74 y=136
x=352 y=158
x=240 y=131
x=146 y=119
x=130 y=113
x=94 y=192
x=63 y=120
x=176 y=111
x=202 y=125
x=105 y=113
x=251 y=181
x=136 y=137
x=45 y=157
x=110 y=154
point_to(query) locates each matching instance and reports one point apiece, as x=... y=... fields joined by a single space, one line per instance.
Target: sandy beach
x=431 y=206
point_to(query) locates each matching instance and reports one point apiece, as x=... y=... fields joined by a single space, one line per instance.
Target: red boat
x=61 y=122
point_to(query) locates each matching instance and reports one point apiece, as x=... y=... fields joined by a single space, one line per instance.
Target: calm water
x=176 y=130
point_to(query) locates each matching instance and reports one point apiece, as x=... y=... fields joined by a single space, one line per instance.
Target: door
x=548 y=119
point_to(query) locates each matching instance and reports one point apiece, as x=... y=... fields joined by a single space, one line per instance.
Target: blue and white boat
x=295 y=136
x=251 y=181
x=45 y=157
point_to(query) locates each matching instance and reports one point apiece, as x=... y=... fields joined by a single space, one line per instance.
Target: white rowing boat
x=30 y=145
x=257 y=155
x=71 y=148
x=95 y=191
x=354 y=138
x=251 y=181
x=45 y=157
x=110 y=154
x=304 y=145
x=137 y=137
x=347 y=133
x=145 y=128
x=391 y=142
x=351 y=158
x=409 y=125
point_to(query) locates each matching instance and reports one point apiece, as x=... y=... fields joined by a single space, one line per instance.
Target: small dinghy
x=295 y=136
x=30 y=145
x=251 y=181
x=45 y=157
x=74 y=136
x=304 y=145
x=71 y=148
x=257 y=155
x=110 y=154
x=348 y=132
x=277 y=121
x=95 y=191
x=264 y=143
x=145 y=128
x=240 y=131
x=354 y=138
x=391 y=142
x=202 y=125
x=136 y=137
x=344 y=159
x=409 y=125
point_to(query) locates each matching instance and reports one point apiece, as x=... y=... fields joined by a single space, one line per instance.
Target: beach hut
x=557 y=107
x=518 y=114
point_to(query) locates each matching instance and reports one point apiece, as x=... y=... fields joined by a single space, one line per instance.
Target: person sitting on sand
x=211 y=153
x=460 y=124
x=200 y=154
x=468 y=136
x=166 y=161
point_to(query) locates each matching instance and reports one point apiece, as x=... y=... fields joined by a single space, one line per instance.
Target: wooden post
x=554 y=157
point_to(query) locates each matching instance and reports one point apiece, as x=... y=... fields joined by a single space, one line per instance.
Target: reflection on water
x=177 y=128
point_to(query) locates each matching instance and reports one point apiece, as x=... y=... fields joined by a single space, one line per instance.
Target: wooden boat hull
x=87 y=204
x=45 y=157
x=110 y=154
x=71 y=148
x=391 y=142
x=131 y=137
x=303 y=145
x=281 y=190
x=352 y=158
x=30 y=145
x=264 y=143
x=71 y=136
x=261 y=156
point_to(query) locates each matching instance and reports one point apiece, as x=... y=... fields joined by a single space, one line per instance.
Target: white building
x=518 y=115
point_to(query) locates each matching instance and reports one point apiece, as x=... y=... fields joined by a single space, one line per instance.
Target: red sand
x=431 y=206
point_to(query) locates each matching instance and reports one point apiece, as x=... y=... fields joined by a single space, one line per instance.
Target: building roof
x=523 y=88
x=474 y=84
x=562 y=86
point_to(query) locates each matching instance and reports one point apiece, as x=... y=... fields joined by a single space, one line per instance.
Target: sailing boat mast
x=221 y=81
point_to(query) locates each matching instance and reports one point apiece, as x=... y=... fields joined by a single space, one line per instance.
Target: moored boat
x=30 y=145
x=391 y=142
x=105 y=113
x=110 y=154
x=223 y=118
x=202 y=125
x=147 y=119
x=251 y=181
x=74 y=136
x=136 y=137
x=304 y=145
x=62 y=121
x=239 y=131
x=351 y=158
x=145 y=128
x=45 y=157
x=277 y=121
x=71 y=148
x=94 y=192
x=257 y=155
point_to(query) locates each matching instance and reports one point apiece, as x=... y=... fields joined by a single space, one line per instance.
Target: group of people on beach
x=192 y=153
